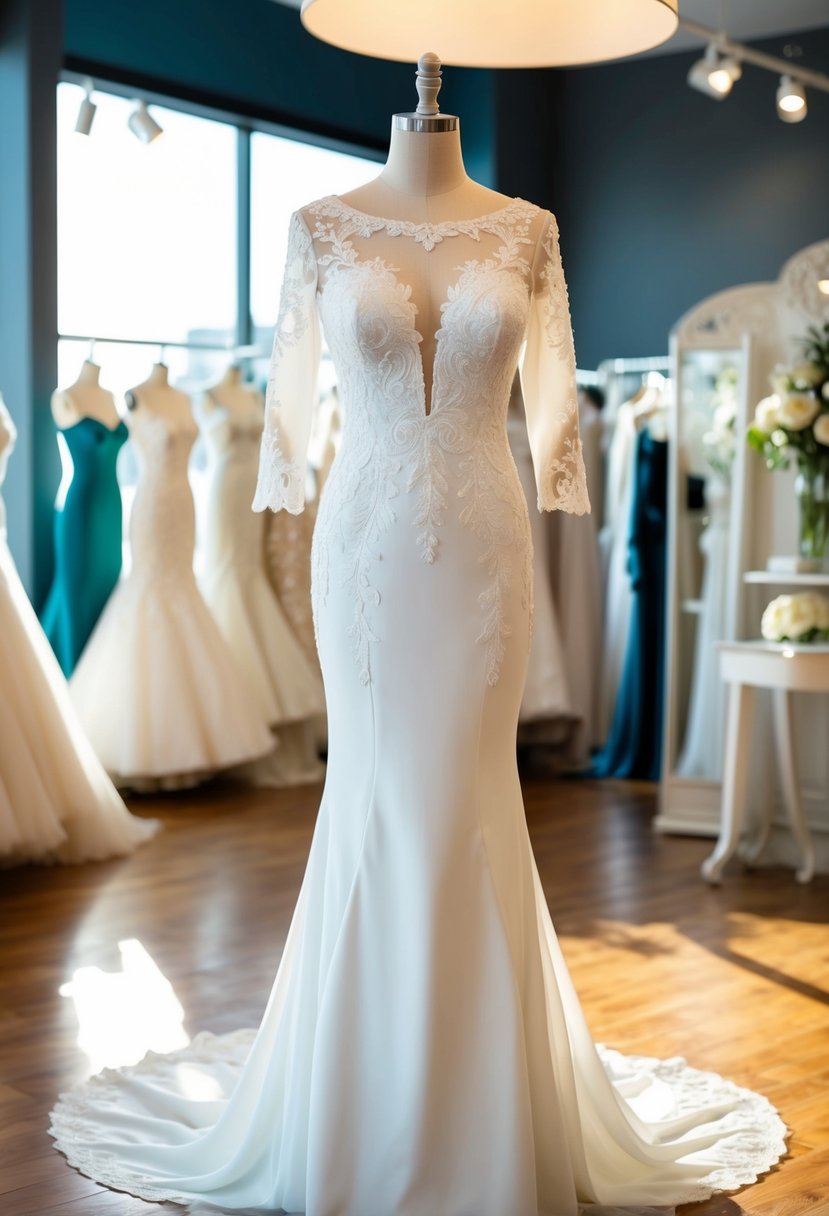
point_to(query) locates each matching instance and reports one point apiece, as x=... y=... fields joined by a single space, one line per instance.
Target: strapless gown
x=423 y=1051
x=157 y=689
x=88 y=529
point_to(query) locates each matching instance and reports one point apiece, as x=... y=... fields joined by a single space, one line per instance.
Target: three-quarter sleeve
x=292 y=381
x=548 y=383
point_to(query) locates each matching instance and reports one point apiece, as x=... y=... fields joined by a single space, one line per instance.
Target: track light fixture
x=142 y=124
x=723 y=62
x=714 y=75
x=86 y=110
x=791 y=100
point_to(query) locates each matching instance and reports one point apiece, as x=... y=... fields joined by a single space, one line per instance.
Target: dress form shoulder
x=86 y=398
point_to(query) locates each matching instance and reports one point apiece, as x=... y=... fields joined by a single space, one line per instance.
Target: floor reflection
x=124 y=1014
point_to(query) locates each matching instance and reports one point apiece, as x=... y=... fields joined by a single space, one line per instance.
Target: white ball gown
x=282 y=681
x=56 y=802
x=423 y=1050
x=156 y=688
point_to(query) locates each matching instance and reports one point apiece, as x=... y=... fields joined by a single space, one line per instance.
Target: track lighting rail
x=747 y=54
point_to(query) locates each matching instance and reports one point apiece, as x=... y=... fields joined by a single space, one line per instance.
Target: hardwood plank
x=734 y=979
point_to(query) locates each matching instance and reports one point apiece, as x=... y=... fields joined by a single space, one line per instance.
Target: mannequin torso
x=232 y=394
x=424 y=182
x=157 y=396
x=85 y=399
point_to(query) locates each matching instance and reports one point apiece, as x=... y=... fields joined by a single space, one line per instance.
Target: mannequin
x=424 y=181
x=282 y=682
x=231 y=392
x=85 y=399
x=157 y=689
x=157 y=395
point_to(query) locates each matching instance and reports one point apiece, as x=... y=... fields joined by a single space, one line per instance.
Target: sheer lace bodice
x=425 y=436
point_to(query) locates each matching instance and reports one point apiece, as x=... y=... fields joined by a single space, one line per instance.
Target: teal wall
x=254 y=57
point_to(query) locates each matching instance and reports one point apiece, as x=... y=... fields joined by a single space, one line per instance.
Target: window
x=149 y=238
x=147 y=242
x=284 y=175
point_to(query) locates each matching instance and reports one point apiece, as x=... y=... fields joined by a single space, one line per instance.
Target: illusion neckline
x=415 y=226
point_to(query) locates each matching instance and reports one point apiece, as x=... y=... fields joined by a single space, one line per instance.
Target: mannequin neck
x=424 y=163
x=89 y=373
x=159 y=375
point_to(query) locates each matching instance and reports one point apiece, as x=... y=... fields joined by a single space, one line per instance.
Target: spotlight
x=142 y=124
x=86 y=110
x=791 y=100
x=714 y=76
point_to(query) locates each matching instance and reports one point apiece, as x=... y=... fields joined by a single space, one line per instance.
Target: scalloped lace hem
x=750 y=1137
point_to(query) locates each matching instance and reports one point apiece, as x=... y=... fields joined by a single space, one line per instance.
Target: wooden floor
x=736 y=979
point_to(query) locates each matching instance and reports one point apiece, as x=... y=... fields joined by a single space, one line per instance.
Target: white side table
x=785 y=668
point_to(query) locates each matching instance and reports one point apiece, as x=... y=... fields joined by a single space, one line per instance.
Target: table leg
x=786 y=758
x=735 y=779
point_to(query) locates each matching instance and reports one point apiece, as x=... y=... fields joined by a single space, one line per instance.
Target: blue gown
x=87 y=539
x=634 y=747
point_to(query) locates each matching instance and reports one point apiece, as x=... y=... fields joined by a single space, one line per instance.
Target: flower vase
x=812 y=490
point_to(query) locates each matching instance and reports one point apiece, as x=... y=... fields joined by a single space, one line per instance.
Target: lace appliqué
x=281 y=481
x=747 y=1136
x=418 y=444
x=563 y=483
x=426 y=234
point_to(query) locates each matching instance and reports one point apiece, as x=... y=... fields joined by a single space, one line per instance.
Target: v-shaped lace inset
x=457 y=447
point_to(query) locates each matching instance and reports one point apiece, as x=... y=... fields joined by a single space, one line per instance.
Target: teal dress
x=87 y=539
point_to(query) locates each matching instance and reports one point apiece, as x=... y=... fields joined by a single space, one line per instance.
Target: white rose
x=807 y=375
x=802 y=614
x=766 y=416
x=822 y=429
x=797 y=411
x=773 y=623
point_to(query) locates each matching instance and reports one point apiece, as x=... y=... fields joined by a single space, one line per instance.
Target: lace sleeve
x=548 y=382
x=292 y=381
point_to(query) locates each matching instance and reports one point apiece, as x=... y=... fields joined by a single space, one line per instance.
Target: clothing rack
x=232 y=348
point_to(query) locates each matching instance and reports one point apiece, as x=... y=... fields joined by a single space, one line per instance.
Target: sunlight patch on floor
x=124 y=1014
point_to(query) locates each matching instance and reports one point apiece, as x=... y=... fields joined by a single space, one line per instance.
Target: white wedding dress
x=423 y=1052
x=157 y=689
x=56 y=802
x=281 y=679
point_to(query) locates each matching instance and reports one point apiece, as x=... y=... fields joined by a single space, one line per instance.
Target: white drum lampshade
x=494 y=33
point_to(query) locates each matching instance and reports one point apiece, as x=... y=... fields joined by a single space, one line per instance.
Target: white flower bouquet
x=794 y=421
x=797 y=618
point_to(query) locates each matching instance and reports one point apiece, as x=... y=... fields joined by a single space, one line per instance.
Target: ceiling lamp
x=142 y=124
x=791 y=100
x=713 y=75
x=491 y=33
x=86 y=110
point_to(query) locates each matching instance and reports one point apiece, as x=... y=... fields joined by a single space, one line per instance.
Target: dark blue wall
x=665 y=196
x=254 y=57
